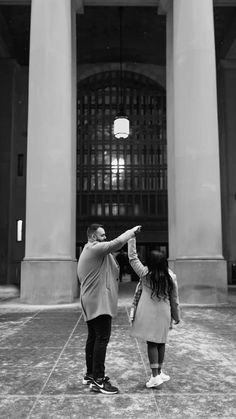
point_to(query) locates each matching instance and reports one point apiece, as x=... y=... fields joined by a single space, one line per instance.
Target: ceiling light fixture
x=121 y=122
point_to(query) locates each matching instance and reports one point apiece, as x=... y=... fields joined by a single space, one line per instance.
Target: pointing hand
x=137 y=229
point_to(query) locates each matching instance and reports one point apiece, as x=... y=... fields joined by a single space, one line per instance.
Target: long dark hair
x=159 y=277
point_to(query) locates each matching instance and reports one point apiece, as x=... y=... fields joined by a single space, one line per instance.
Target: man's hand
x=137 y=229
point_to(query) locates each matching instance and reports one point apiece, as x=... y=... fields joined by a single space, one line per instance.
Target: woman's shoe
x=154 y=381
x=164 y=377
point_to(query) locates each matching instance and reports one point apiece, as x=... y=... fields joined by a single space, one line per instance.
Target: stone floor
x=42 y=363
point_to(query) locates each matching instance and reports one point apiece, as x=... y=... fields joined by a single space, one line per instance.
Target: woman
x=155 y=304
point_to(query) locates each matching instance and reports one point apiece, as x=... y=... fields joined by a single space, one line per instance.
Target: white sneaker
x=154 y=381
x=164 y=377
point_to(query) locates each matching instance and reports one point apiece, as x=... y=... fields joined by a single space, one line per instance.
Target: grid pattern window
x=121 y=177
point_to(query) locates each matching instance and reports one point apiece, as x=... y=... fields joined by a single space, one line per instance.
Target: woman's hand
x=172 y=322
x=131 y=315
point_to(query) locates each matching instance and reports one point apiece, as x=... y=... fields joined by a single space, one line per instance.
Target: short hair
x=92 y=229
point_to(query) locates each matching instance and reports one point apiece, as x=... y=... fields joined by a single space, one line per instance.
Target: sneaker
x=103 y=385
x=154 y=381
x=164 y=377
x=88 y=379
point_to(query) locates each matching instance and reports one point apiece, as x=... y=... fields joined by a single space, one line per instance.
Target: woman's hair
x=159 y=277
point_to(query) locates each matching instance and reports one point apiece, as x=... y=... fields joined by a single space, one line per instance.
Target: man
x=98 y=273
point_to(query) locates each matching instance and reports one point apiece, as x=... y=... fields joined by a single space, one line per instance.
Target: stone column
x=195 y=236
x=170 y=135
x=48 y=271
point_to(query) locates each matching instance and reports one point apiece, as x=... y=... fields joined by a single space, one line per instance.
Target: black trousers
x=99 y=332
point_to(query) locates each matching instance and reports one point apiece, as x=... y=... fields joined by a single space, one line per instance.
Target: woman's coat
x=152 y=318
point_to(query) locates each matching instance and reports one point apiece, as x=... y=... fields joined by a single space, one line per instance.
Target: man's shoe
x=88 y=379
x=164 y=377
x=154 y=381
x=103 y=385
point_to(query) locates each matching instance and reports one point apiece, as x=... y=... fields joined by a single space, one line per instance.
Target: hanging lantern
x=121 y=126
x=121 y=122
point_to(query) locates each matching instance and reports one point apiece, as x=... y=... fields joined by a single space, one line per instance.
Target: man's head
x=96 y=232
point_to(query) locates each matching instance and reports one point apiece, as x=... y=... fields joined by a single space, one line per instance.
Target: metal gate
x=121 y=180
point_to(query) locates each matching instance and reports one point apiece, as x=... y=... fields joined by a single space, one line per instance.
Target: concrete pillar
x=170 y=135
x=227 y=98
x=48 y=271
x=195 y=224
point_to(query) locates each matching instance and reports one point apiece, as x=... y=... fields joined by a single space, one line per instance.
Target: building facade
x=60 y=166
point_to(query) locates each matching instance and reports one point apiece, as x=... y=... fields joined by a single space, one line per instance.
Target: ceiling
x=98 y=34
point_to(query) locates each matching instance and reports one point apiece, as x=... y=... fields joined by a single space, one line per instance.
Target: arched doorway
x=121 y=183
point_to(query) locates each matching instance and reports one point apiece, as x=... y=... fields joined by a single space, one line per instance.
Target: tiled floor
x=42 y=362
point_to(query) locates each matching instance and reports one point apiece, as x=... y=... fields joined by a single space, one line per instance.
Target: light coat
x=152 y=318
x=98 y=273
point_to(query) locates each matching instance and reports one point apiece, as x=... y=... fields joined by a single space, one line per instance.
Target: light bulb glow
x=121 y=127
x=118 y=165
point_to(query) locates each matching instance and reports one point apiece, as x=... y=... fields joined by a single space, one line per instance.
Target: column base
x=201 y=281
x=48 y=281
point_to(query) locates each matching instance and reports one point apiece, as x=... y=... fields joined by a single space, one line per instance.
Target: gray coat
x=152 y=318
x=98 y=273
